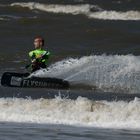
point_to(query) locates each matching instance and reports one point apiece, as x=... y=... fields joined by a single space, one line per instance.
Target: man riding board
x=39 y=57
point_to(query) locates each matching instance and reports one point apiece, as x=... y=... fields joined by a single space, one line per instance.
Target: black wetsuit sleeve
x=46 y=56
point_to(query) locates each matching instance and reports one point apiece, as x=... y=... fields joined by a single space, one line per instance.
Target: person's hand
x=34 y=60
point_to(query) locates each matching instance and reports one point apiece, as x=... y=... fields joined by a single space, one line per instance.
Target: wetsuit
x=39 y=59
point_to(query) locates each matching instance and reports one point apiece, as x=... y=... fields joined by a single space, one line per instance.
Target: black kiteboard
x=10 y=79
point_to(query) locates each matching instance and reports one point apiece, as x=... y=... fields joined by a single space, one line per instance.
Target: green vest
x=39 y=52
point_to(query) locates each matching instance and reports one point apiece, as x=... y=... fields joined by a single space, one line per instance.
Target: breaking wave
x=91 y=11
x=80 y=112
x=114 y=15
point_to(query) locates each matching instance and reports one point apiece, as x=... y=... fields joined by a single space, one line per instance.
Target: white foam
x=1 y=18
x=114 y=73
x=54 y=8
x=72 y=112
x=85 y=9
x=114 y=15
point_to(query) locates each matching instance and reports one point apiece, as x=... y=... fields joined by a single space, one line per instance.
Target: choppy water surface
x=92 y=42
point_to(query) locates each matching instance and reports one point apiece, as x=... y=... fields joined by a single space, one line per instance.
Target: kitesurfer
x=39 y=57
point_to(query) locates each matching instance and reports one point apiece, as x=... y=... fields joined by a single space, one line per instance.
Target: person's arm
x=32 y=58
x=45 y=57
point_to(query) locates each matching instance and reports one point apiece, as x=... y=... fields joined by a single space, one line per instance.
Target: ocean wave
x=80 y=112
x=3 y=5
x=8 y=17
x=12 y=17
x=114 y=15
x=114 y=73
x=2 y=19
x=67 y=9
x=91 y=11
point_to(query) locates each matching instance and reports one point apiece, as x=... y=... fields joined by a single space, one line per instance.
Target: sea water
x=91 y=42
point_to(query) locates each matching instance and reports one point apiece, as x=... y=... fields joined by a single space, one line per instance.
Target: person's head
x=38 y=42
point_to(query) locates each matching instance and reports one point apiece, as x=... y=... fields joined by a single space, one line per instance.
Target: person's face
x=37 y=44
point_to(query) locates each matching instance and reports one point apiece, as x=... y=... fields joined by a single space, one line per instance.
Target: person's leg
x=35 y=67
x=43 y=65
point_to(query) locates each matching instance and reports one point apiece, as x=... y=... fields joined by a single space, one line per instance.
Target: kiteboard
x=13 y=79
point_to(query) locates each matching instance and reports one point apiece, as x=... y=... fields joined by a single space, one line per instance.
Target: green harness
x=40 y=55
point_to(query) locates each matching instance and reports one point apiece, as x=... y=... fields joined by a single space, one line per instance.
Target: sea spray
x=113 y=73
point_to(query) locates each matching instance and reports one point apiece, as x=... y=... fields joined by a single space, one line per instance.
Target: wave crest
x=91 y=11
